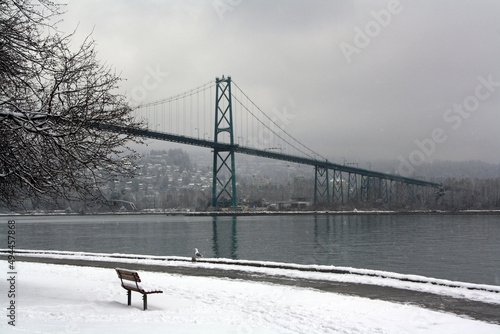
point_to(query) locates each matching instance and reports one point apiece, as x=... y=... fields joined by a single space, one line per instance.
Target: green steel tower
x=224 y=174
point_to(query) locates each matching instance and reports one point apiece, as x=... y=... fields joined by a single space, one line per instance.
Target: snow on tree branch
x=48 y=97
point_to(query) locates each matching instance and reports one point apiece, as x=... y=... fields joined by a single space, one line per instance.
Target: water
x=461 y=248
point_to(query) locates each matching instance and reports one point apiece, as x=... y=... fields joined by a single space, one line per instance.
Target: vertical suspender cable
x=170 y=117
x=198 y=113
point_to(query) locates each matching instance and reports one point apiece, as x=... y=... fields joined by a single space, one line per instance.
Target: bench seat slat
x=139 y=288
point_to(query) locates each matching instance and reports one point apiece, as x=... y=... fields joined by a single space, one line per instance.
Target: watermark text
x=223 y=6
x=454 y=118
x=372 y=29
x=11 y=273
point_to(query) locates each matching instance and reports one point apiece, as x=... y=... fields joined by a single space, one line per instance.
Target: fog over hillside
x=438 y=170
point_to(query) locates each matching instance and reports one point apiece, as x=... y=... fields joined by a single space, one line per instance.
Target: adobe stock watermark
x=372 y=29
x=279 y=121
x=223 y=6
x=151 y=81
x=11 y=274
x=453 y=117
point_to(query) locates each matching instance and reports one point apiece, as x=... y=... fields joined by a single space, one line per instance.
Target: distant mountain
x=441 y=170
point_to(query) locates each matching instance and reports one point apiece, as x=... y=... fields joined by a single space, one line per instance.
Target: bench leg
x=145 y=298
x=129 y=297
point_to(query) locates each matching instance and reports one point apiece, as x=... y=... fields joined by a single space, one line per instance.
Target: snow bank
x=477 y=292
x=69 y=299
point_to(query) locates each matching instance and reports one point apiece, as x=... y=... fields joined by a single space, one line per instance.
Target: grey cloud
x=287 y=54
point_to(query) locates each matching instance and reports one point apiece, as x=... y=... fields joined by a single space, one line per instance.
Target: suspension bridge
x=220 y=116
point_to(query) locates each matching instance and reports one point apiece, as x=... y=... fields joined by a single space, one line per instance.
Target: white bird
x=196 y=253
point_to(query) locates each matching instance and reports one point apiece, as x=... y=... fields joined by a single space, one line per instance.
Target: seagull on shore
x=197 y=254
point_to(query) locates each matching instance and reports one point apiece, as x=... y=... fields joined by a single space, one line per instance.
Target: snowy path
x=476 y=301
x=70 y=299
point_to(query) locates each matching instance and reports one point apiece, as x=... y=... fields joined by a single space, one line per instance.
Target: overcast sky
x=407 y=80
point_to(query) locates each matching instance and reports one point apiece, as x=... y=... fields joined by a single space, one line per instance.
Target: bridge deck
x=263 y=153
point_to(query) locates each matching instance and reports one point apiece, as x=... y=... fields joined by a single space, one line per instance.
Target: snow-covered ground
x=69 y=299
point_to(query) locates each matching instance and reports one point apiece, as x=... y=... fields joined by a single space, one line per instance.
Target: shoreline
x=272 y=213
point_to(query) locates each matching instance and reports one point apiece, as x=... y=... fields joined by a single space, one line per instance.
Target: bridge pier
x=365 y=188
x=321 y=185
x=409 y=193
x=352 y=187
x=384 y=190
x=338 y=187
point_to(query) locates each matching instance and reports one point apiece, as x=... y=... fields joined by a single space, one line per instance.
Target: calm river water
x=461 y=248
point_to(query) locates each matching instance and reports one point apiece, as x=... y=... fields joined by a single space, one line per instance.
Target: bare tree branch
x=48 y=96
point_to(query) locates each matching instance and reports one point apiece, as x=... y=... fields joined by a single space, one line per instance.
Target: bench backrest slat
x=128 y=275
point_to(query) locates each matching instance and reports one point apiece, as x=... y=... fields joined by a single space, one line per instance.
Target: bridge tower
x=224 y=173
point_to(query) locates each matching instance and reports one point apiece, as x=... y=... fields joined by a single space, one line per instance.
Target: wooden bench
x=130 y=282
